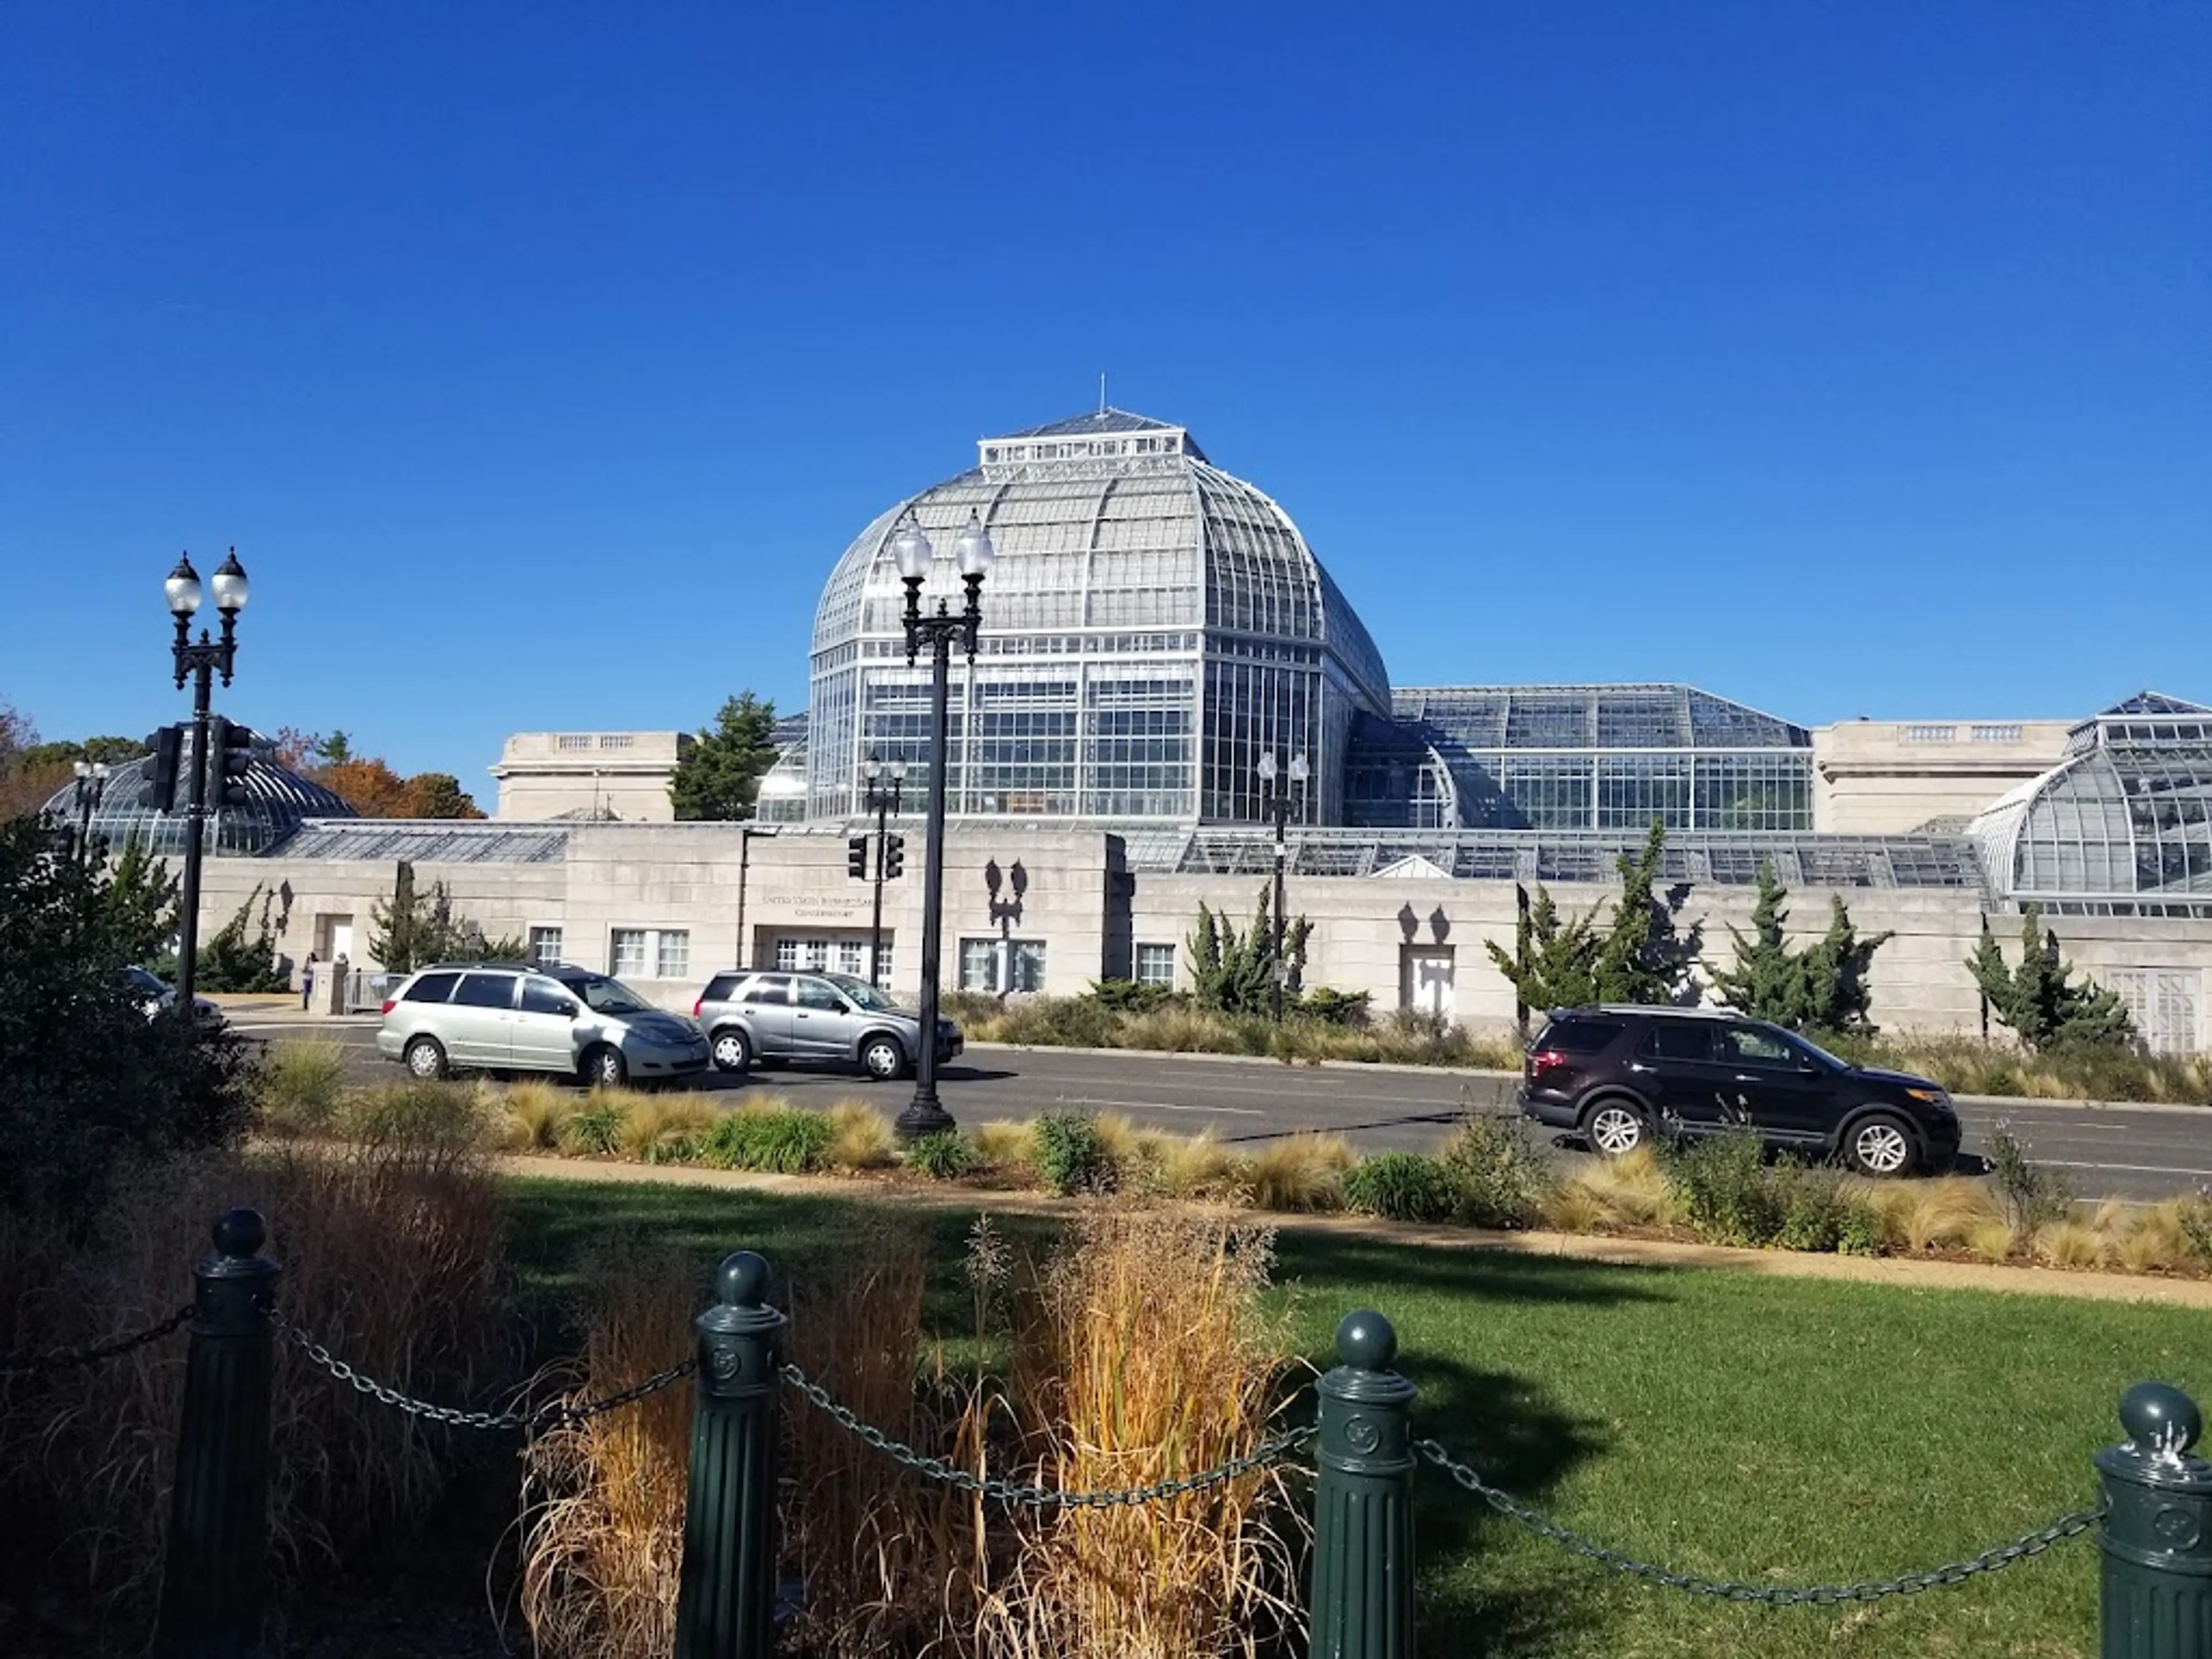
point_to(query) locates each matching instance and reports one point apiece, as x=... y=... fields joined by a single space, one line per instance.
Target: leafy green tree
x=719 y=776
x=416 y=927
x=1232 y=970
x=440 y=795
x=1822 y=987
x=1640 y=956
x=2040 y=1000
x=242 y=954
x=87 y=1080
x=142 y=903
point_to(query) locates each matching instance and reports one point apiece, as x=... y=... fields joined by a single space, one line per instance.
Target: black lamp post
x=886 y=787
x=939 y=631
x=91 y=785
x=1278 y=798
x=200 y=660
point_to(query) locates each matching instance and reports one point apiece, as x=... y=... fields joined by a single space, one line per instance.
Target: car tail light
x=698 y=1003
x=390 y=1003
x=1546 y=1060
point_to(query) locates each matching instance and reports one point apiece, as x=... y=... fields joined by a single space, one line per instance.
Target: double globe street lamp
x=1279 y=793
x=939 y=630
x=200 y=660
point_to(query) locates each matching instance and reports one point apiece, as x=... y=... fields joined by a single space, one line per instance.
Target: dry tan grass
x=1193 y=1166
x=1632 y=1191
x=1930 y=1215
x=302 y=1087
x=1300 y=1172
x=861 y=1137
x=1571 y=1208
x=603 y=1518
x=1118 y=1138
x=1142 y=1353
x=392 y=1257
x=2069 y=1244
x=653 y=1120
x=1005 y=1145
x=534 y=1113
x=1993 y=1240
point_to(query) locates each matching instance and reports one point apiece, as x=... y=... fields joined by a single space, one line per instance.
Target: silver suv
x=749 y=1015
x=516 y=1016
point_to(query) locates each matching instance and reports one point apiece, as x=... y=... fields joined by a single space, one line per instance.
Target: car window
x=1678 y=1040
x=485 y=991
x=431 y=988
x=814 y=994
x=543 y=996
x=1579 y=1037
x=772 y=988
x=719 y=989
x=868 y=995
x=1747 y=1045
x=603 y=995
x=148 y=984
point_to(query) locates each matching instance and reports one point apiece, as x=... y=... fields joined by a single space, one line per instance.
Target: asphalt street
x=2115 y=1152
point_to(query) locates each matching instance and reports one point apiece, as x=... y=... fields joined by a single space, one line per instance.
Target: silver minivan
x=512 y=1017
x=749 y=1016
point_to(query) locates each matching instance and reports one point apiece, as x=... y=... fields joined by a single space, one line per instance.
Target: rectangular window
x=786 y=955
x=979 y=964
x=884 y=965
x=627 y=953
x=851 y=956
x=1025 y=965
x=545 y=946
x=817 y=955
x=1156 y=964
x=674 y=955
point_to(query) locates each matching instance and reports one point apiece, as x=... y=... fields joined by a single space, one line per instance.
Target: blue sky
x=1844 y=359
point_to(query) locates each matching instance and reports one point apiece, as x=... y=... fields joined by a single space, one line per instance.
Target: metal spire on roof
x=1102 y=392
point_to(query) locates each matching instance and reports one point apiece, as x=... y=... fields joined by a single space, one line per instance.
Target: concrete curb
x=1899 y=1271
x=1513 y=1077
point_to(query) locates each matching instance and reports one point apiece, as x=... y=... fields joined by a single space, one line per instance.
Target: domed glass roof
x=1128 y=568
x=2123 y=824
x=277 y=801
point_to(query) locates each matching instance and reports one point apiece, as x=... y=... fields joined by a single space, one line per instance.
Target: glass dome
x=1152 y=625
x=2123 y=825
x=277 y=802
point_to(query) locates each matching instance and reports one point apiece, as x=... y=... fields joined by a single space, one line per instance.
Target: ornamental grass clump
x=1299 y=1173
x=783 y=1140
x=534 y=1113
x=943 y=1155
x=300 y=1089
x=1402 y=1187
x=861 y=1138
x=1142 y=1352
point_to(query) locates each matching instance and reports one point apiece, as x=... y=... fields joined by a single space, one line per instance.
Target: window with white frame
x=1156 y=964
x=545 y=946
x=997 y=966
x=786 y=955
x=883 y=976
x=626 y=953
x=979 y=964
x=1025 y=965
x=851 y=955
x=673 y=953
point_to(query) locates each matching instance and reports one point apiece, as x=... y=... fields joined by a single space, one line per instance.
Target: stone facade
x=1890 y=777
x=1052 y=910
x=578 y=775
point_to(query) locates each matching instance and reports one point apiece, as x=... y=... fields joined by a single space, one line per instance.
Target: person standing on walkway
x=307 y=984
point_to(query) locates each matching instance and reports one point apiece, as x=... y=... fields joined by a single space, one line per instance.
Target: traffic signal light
x=856 y=857
x=169 y=747
x=893 y=857
x=231 y=747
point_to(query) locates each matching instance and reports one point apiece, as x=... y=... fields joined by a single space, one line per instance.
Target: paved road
x=2115 y=1152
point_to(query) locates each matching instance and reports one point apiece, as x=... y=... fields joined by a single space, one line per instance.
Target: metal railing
x=2154 y=1519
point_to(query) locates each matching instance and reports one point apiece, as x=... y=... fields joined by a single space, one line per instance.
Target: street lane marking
x=2131 y=1168
x=1162 y=1106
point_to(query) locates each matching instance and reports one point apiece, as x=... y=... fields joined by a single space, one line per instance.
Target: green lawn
x=1753 y=1428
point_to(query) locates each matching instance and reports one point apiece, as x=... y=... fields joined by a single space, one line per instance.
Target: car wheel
x=884 y=1057
x=426 y=1059
x=604 y=1067
x=1613 y=1128
x=734 y=1050
x=1879 y=1145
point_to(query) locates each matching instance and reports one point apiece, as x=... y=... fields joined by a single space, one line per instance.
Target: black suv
x=1616 y=1075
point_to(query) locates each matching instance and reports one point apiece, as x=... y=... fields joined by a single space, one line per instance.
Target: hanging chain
x=61 y=1360
x=1007 y=1491
x=553 y=1415
x=1778 y=1595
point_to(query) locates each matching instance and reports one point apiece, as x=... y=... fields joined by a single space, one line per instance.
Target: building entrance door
x=1425 y=979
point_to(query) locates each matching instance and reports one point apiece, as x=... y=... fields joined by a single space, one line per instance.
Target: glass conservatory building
x=1152 y=626
x=2123 y=826
x=277 y=802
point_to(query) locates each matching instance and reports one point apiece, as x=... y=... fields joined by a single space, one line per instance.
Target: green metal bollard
x=726 y=1596
x=1363 y=1563
x=214 y=1574
x=2157 y=1536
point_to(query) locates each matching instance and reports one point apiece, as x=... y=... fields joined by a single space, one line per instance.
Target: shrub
x=2194 y=1220
x=1860 y=1233
x=447 y=1115
x=1332 y=1007
x=1072 y=1155
x=1402 y=1187
x=1057 y=1022
x=1127 y=996
x=782 y=1140
x=1727 y=1191
x=2033 y=1196
x=302 y=1087
x=594 y=1128
x=943 y=1155
x=1502 y=1178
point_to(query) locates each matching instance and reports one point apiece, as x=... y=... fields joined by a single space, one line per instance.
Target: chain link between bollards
x=61 y=1360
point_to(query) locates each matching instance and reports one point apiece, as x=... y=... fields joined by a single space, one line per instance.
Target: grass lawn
x=1734 y=1425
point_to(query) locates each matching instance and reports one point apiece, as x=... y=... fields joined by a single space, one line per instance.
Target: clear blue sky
x=1842 y=358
